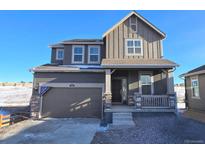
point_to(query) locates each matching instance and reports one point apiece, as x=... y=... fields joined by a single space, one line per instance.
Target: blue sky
x=25 y=36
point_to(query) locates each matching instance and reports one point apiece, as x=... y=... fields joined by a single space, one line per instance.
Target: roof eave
x=97 y=43
x=137 y=66
x=192 y=74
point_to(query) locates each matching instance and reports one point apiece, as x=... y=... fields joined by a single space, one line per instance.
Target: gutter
x=137 y=66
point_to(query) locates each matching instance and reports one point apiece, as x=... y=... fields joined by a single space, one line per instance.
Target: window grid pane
x=60 y=54
x=94 y=54
x=195 y=88
x=94 y=51
x=146 y=79
x=78 y=50
x=78 y=54
x=134 y=47
x=93 y=58
x=78 y=58
x=129 y=43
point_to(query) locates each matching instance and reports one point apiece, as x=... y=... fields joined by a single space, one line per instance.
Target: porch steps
x=122 y=119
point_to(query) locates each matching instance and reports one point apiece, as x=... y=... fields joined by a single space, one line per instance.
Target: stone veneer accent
x=35 y=106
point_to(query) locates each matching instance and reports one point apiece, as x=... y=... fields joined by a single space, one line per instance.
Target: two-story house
x=90 y=77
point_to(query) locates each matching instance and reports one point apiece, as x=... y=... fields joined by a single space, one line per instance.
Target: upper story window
x=59 y=54
x=133 y=24
x=94 y=54
x=134 y=47
x=78 y=54
x=195 y=87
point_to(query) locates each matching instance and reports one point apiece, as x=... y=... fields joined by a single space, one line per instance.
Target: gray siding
x=160 y=81
x=53 y=57
x=193 y=103
x=68 y=55
x=115 y=41
x=69 y=77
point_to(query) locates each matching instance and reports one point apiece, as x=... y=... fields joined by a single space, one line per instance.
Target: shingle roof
x=201 y=68
x=198 y=70
x=64 y=68
x=78 y=41
x=84 y=40
x=138 y=63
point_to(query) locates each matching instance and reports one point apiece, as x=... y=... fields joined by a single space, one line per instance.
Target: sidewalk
x=195 y=115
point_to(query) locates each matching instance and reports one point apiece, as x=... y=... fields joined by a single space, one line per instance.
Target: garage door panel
x=72 y=102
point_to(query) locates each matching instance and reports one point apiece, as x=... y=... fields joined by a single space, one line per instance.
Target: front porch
x=147 y=104
x=139 y=90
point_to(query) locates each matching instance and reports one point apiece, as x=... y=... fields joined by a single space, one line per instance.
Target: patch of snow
x=15 y=96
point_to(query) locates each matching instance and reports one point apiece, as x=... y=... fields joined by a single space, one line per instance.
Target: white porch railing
x=155 y=101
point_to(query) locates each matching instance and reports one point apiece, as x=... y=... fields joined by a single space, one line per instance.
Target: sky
x=25 y=36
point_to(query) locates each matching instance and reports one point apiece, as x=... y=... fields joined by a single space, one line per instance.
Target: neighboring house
x=89 y=77
x=195 y=88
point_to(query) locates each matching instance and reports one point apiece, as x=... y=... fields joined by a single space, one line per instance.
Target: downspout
x=183 y=77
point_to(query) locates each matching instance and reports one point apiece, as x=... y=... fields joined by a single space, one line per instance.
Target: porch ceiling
x=138 y=63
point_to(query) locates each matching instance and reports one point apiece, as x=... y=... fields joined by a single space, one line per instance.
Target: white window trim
x=99 y=53
x=83 y=54
x=134 y=54
x=130 y=20
x=192 y=95
x=152 y=81
x=57 y=50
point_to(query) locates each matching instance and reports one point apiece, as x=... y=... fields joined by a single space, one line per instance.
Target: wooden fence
x=4 y=120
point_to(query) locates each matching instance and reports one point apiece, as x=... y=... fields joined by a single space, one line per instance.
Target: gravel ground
x=158 y=128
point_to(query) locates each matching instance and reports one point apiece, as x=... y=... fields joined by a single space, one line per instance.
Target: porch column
x=108 y=94
x=170 y=82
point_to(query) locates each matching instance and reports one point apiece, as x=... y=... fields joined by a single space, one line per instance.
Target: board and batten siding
x=115 y=41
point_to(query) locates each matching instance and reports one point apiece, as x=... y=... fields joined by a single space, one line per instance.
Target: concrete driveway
x=79 y=131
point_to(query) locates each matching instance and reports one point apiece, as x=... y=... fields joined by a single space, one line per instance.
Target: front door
x=146 y=87
x=116 y=91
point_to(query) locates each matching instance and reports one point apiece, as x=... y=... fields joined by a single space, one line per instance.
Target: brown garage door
x=72 y=102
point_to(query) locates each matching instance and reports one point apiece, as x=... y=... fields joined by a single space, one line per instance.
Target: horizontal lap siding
x=69 y=77
x=68 y=54
x=116 y=41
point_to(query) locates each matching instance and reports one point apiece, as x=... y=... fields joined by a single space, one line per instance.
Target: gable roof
x=140 y=17
x=198 y=70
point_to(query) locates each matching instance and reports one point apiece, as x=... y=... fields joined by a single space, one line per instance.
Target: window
x=146 y=86
x=59 y=54
x=94 y=54
x=195 y=87
x=134 y=47
x=78 y=54
x=146 y=79
x=133 y=23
